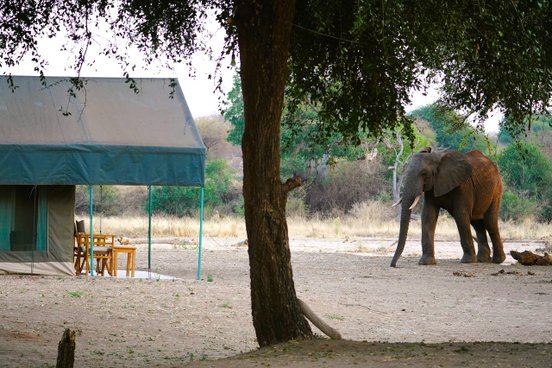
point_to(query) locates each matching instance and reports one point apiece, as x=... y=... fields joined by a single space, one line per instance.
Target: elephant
x=468 y=186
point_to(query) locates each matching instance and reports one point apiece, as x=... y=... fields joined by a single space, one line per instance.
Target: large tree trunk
x=264 y=29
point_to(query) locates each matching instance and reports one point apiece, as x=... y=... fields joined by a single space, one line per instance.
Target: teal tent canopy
x=103 y=133
x=54 y=136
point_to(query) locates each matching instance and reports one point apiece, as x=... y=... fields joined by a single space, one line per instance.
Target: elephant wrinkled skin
x=469 y=187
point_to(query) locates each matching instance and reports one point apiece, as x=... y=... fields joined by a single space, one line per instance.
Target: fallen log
x=528 y=258
x=318 y=322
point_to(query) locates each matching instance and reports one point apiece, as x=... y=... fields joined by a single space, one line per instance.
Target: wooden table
x=131 y=259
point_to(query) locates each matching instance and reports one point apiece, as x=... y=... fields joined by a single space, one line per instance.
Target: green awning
x=104 y=133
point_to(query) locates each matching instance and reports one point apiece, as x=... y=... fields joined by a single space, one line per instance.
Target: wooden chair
x=103 y=251
x=80 y=255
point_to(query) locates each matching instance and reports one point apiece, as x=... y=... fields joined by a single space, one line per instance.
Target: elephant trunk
x=403 y=232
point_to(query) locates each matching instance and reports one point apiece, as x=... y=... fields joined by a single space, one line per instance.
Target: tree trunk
x=264 y=29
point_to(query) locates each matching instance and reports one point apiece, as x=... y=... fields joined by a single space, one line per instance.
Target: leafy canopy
x=358 y=60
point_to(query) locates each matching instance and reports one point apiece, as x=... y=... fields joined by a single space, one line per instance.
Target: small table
x=131 y=259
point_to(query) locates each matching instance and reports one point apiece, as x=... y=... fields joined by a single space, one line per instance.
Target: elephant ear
x=453 y=170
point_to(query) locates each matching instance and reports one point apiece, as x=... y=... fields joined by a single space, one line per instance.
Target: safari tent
x=53 y=136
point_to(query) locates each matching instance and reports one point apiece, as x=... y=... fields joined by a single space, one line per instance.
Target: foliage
x=515 y=207
x=540 y=134
x=105 y=199
x=219 y=193
x=451 y=130
x=525 y=168
x=349 y=183
x=528 y=172
x=233 y=112
x=359 y=60
x=301 y=147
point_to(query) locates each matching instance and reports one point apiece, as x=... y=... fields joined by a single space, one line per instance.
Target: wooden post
x=66 y=350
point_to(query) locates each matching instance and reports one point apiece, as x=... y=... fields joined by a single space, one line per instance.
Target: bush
x=348 y=183
x=516 y=208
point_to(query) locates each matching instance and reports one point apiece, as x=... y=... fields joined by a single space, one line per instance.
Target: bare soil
x=448 y=315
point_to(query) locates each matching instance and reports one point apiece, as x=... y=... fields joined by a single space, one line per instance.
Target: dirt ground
x=448 y=315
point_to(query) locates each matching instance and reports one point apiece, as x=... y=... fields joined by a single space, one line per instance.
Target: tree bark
x=264 y=29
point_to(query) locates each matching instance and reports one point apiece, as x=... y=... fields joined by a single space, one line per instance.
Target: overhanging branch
x=292 y=183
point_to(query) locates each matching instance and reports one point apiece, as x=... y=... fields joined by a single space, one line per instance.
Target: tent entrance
x=23 y=218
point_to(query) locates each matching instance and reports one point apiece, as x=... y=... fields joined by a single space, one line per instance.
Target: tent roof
x=103 y=133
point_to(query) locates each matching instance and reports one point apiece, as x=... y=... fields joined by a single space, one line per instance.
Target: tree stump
x=528 y=258
x=66 y=350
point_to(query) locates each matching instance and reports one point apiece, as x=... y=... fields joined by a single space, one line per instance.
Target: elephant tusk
x=397 y=203
x=416 y=200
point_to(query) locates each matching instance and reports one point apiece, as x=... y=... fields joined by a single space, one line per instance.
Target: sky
x=199 y=91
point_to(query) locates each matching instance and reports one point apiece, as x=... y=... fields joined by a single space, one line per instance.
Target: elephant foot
x=484 y=258
x=427 y=261
x=468 y=258
x=499 y=258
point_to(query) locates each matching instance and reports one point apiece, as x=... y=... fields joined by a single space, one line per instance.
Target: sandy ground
x=348 y=282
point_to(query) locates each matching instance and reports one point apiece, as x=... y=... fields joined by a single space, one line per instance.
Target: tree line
x=339 y=175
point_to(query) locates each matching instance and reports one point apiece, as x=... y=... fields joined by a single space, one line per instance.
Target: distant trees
x=342 y=176
x=339 y=175
x=221 y=193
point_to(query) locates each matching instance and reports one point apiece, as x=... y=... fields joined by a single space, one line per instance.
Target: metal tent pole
x=90 y=203
x=150 y=206
x=201 y=200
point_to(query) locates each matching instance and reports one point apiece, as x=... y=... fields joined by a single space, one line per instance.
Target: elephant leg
x=483 y=250
x=464 y=229
x=430 y=214
x=491 y=223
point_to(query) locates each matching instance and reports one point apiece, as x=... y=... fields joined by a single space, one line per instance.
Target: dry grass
x=369 y=219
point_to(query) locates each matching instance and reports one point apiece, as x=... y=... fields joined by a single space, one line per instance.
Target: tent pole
x=90 y=202
x=201 y=200
x=150 y=202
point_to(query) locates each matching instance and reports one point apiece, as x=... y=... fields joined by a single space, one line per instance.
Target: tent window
x=23 y=218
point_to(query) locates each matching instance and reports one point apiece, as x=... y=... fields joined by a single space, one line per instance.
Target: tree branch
x=318 y=322
x=292 y=183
